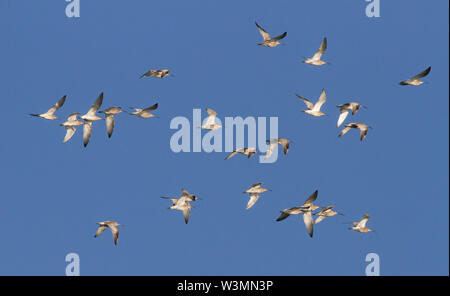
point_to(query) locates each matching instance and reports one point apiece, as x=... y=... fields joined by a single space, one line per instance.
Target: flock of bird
x=183 y=203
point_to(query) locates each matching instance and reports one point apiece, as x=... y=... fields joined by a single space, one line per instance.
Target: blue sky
x=53 y=194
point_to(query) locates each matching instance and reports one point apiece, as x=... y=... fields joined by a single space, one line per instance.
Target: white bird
x=273 y=144
x=254 y=192
x=182 y=205
x=70 y=125
x=111 y=225
x=306 y=210
x=89 y=117
x=324 y=213
x=361 y=225
x=315 y=60
x=109 y=118
x=50 y=114
x=246 y=151
x=415 y=81
x=210 y=123
x=361 y=126
x=144 y=113
x=184 y=193
x=267 y=40
x=314 y=109
x=345 y=108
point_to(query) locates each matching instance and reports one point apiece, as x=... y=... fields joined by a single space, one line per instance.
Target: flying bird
x=345 y=108
x=306 y=210
x=89 y=117
x=361 y=126
x=273 y=144
x=50 y=114
x=314 y=109
x=361 y=225
x=254 y=192
x=182 y=204
x=315 y=60
x=157 y=73
x=109 y=118
x=184 y=193
x=70 y=125
x=144 y=113
x=111 y=225
x=267 y=40
x=416 y=79
x=325 y=213
x=246 y=151
x=210 y=123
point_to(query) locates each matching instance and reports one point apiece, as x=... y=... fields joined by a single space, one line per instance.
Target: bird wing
x=285 y=143
x=362 y=223
x=263 y=32
x=345 y=130
x=70 y=131
x=231 y=155
x=309 y=222
x=96 y=105
x=174 y=200
x=271 y=148
x=148 y=73
x=58 y=105
x=283 y=216
x=422 y=74
x=322 y=99
x=320 y=218
x=110 y=124
x=311 y=198
x=322 y=49
x=342 y=117
x=87 y=131
x=307 y=102
x=73 y=116
x=253 y=199
x=153 y=107
x=115 y=233
x=186 y=214
x=100 y=230
x=279 y=37
x=355 y=107
x=257 y=185
x=364 y=129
